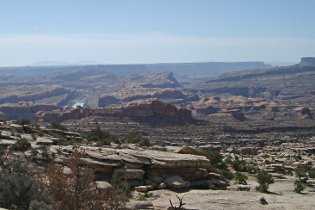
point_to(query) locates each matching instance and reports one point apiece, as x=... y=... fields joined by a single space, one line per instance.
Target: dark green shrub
x=240 y=178
x=18 y=189
x=299 y=186
x=101 y=137
x=21 y=145
x=136 y=138
x=311 y=173
x=78 y=190
x=227 y=174
x=216 y=160
x=301 y=171
x=58 y=126
x=39 y=205
x=264 y=180
x=243 y=166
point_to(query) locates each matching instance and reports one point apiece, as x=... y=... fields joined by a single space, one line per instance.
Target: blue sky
x=152 y=31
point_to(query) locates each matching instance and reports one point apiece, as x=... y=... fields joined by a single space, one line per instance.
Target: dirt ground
x=282 y=197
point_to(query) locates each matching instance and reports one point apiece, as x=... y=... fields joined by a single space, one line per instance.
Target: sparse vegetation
x=101 y=137
x=301 y=172
x=299 y=186
x=58 y=126
x=78 y=190
x=21 y=145
x=311 y=173
x=240 y=178
x=18 y=189
x=264 y=180
x=136 y=138
x=180 y=205
x=241 y=165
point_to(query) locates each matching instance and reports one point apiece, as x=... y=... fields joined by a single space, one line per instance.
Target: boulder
x=103 y=186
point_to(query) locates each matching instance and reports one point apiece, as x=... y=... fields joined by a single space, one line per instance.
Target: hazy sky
x=146 y=31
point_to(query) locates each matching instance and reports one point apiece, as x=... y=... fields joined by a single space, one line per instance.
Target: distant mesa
x=307 y=61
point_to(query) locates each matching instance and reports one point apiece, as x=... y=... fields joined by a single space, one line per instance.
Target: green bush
x=264 y=180
x=136 y=138
x=216 y=160
x=101 y=137
x=18 y=189
x=243 y=166
x=299 y=186
x=240 y=178
x=301 y=171
x=311 y=173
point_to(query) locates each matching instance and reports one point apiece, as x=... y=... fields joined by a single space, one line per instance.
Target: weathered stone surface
x=176 y=183
x=45 y=141
x=6 y=142
x=144 y=189
x=155 y=159
x=140 y=205
x=154 y=167
x=130 y=174
x=103 y=185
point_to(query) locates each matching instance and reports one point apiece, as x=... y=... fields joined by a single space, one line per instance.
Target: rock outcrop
x=146 y=167
x=150 y=112
x=157 y=112
x=107 y=100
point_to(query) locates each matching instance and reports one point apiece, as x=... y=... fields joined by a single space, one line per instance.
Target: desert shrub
x=101 y=137
x=263 y=201
x=301 y=171
x=311 y=173
x=39 y=205
x=219 y=164
x=264 y=180
x=240 y=178
x=227 y=173
x=144 y=196
x=19 y=189
x=299 y=186
x=243 y=166
x=78 y=190
x=21 y=145
x=136 y=138
x=180 y=206
x=216 y=159
x=58 y=126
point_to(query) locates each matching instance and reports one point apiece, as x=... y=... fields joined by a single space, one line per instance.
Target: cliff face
x=154 y=113
x=25 y=112
x=57 y=91
x=157 y=112
x=107 y=100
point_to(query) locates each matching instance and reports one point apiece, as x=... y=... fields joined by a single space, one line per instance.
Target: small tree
x=264 y=180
